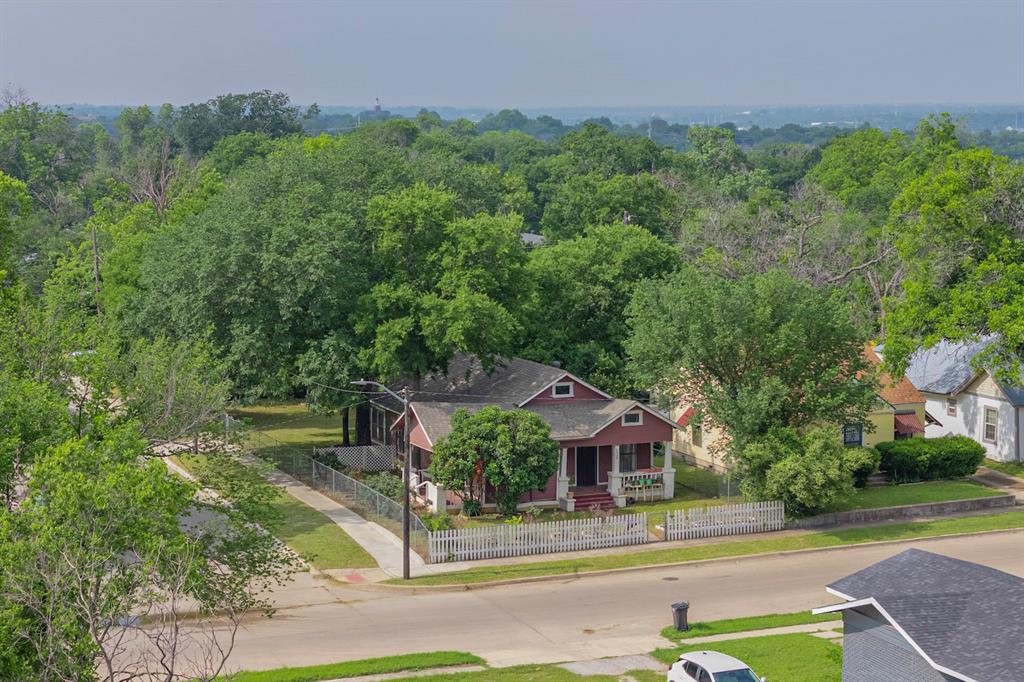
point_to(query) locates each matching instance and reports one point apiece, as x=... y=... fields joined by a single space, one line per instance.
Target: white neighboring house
x=969 y=402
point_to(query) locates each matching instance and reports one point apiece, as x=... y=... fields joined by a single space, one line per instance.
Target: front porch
x=623 y=472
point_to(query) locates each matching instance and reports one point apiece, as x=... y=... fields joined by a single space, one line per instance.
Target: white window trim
x=984 y=425
x=951 y=407
x=556 y=394
x=639 y=418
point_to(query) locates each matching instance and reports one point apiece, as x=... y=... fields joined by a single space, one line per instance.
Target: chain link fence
x=343 y=489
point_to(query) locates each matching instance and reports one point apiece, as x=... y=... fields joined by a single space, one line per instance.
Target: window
x=697 y=436
x=627 y=458
x=853 y=434
x=378 y=425
x=562 y=390
x=633 y=418
x=991 y=425
x=690 y=668
x=951 y=407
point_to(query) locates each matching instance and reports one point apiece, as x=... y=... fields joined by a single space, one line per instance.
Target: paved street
x=570 y=619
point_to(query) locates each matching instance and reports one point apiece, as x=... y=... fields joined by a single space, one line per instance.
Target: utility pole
x=403 y=396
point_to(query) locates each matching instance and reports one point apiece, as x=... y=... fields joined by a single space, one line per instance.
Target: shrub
x=862 y=463
x=471 y=507
x=436 y=522
x=813 y=478
x=386 y=484
x=928 y=459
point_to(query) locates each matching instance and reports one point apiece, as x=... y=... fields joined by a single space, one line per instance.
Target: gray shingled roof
x=580 y=418
x=946 y=367
x=569 y=420
x=966 y=617
x=512 y=381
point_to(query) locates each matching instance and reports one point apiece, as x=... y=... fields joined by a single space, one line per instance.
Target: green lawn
x=369 y=666
x=292 y=424
x=914 y=493
x=779 y=658
x=721 y=627
x=302 y=528
x=1011 y=468
x=824 y=539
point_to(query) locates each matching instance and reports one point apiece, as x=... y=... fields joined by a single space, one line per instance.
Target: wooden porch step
x=588 y=500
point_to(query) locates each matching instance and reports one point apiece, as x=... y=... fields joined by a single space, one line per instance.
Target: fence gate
x=727 y=519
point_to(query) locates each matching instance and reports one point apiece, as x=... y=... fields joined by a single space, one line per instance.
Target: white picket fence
x=729 y=519
x=361 y=457
x=505 y=540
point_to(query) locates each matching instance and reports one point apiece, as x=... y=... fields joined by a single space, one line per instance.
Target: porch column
x=668 y=473
x=562 y=484
x=615 y=478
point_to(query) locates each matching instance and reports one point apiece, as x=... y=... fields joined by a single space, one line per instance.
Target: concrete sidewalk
x=1000 y=481
x=380 y=543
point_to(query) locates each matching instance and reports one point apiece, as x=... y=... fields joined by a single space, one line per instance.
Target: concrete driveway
x=567 y=619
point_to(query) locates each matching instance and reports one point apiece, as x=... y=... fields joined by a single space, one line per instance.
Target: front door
x=586 y=467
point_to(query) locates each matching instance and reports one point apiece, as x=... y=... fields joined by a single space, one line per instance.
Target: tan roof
x=894 y=392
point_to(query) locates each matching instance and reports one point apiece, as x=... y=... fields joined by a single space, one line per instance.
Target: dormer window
x=633 y=418
x=562 y=390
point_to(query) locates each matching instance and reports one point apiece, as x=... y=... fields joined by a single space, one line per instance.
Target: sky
x=525 y=54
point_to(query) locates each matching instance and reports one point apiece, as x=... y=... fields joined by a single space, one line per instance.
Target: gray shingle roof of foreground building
x=966 y=618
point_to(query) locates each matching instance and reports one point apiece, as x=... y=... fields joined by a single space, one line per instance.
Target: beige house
x=898 y=413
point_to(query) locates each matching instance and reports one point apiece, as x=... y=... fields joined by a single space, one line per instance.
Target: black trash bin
x=679 y=616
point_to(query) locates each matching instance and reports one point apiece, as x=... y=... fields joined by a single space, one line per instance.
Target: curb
x=678 y=564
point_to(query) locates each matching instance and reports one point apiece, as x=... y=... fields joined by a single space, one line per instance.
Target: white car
x=710 y=666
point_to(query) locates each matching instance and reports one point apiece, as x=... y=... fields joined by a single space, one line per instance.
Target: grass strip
x=369 y=666
x=723 y=627
x=816 y=540
x=914 y=493
x=307 y=531
x=1011 y=468
x=796 y=656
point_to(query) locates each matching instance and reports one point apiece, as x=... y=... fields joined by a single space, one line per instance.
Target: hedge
x=926 y=459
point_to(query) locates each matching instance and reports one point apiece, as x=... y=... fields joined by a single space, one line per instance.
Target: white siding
x=969 y=421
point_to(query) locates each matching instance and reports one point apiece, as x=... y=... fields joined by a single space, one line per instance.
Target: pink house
x=608 y=446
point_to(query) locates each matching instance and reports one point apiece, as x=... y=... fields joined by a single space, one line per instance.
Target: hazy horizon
x=529 y=56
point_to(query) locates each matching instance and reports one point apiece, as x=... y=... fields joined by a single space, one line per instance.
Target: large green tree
x=582 y=286
x=751 y=354
x=961 y=236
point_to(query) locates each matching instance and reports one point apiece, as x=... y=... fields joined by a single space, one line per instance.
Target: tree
x=272 y=265
x=512 y=449
x=961 y=237
x=33 y=418
x=172 y=390
x=575 y=313
x=806 y=473
x=445 y=284
x=104 y=537
x=14 y=203
x=585 y=200
x=198 y=127
x=760 y=352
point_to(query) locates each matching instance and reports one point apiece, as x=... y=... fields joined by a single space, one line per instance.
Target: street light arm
x=366 y=382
